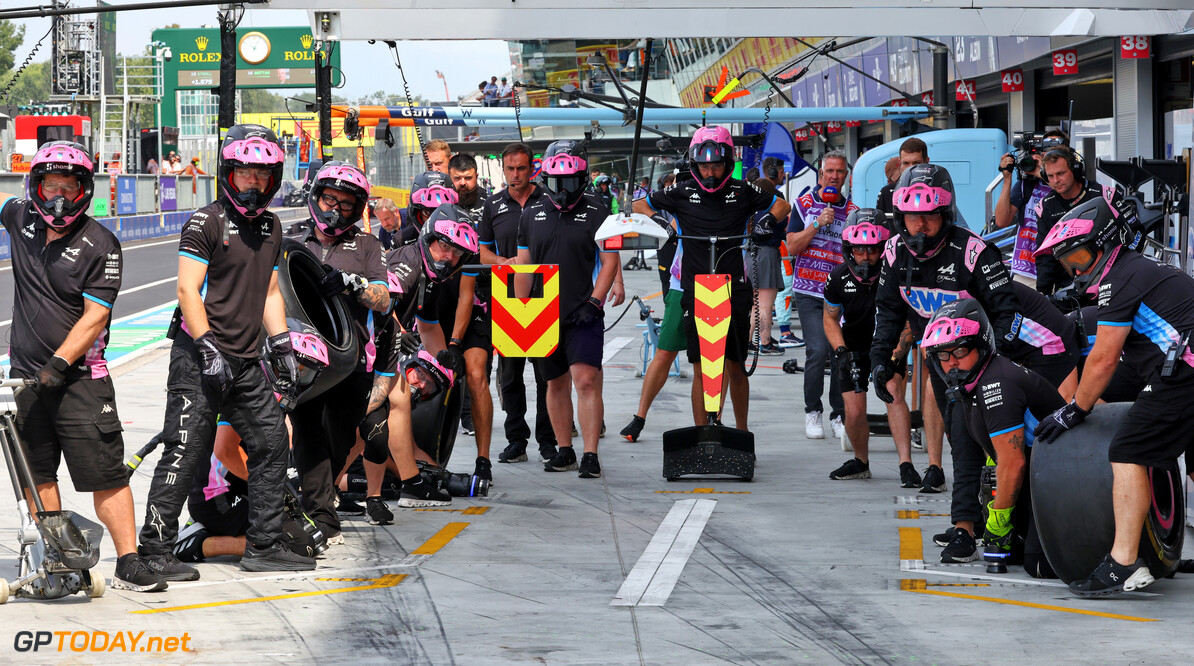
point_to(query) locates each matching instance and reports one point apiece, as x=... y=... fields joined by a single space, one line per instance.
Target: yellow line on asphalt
x=471 y=511
x=703 y=491
x=441 y=539
x=655 y=295
x=914 y=584
x=1026 y=604
x=911 y=545
x=388 y=580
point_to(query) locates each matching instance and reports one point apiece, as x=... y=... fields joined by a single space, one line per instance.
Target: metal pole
x=638 y=122
x=940 y=85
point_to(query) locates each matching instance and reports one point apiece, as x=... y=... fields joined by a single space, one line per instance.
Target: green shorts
x=671 y=331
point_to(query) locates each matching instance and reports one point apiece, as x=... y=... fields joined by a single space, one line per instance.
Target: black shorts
x=736 y=337
x=79 y=423
x=225 y=515
x=479 y=333
x=845 y=382
x=578 y=344
x=1154 y=431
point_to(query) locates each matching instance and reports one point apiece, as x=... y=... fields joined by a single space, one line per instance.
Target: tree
x=32 y=86
x=11 y=37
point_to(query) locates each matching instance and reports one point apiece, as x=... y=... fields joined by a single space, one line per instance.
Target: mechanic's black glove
x=589 y=312
x=880 y=375
x=1051 y=427
x=281 y=356
x=452 y=357
x=52 y=375
x=216 y=372
x=666 y=224
x=408 y=342
x=336 y=281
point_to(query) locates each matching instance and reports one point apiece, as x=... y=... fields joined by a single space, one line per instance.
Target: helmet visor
x=1078 y=259
x=709 y=151
x=565 y=184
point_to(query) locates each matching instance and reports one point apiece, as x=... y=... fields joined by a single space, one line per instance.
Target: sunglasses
x=343 y=206
x=957 y=352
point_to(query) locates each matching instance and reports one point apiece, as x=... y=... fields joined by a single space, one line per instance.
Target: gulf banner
x=711 y=310
x=526 y=327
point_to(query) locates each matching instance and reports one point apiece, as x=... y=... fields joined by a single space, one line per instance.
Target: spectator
x=193 y=169
x=151 y=166
x=505 y=94
x=643 y=189
x=481 y=93
x=491 y=92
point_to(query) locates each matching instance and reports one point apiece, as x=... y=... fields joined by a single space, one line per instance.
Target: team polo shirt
x=721 y=213
x=238 y=272
x=1156 y=301
x=1039 y=323
x=565 y=238
x=857 y=301
x=414 y=295
x=1007 y=397
x=53 y=282
x=498 y=229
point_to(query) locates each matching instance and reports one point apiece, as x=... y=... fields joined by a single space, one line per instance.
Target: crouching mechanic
x=1145 y=314
x=559 y=228
x=849 y=326
x=67 y=272
x=715 y=204
x=227 y=291
x=416 y=272
x=325 y=427
x=1003 y=402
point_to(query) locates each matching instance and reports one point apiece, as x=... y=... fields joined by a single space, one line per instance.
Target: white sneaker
x=812 y=426
x=836 y=425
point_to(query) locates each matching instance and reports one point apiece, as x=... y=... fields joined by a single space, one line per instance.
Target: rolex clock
x=254 y=48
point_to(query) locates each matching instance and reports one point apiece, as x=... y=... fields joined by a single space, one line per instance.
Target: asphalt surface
x=625 y=569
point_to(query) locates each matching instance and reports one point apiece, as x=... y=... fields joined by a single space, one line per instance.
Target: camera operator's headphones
x=1072 y=159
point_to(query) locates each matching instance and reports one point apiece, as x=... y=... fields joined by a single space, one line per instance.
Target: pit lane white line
x=293 y=575
x=1002 y=579
x=147 y=285
x=613 y=346
x=653 y=577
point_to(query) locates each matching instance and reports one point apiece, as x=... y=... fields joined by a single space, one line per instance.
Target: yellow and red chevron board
x=711 y=309
x=526 y=327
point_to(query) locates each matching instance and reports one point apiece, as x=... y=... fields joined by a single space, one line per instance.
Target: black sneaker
x=132 y=574
x=167 y=566
x=347 y=507
x=515 y=452
x=546 y=452
x=909 y=478
x=189 y=545
x=276 y=557
x=934 y=481
x=1111 y=577
x=589 y=467
x=564 y=460
x=635 y=428
x=961 y=548
x=484 y=469
x=945 y=537
x=379 y=513
x=852 y=469
x=420 y=492
x=771 y=349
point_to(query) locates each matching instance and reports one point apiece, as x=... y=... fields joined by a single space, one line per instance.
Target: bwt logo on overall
x=99 y=641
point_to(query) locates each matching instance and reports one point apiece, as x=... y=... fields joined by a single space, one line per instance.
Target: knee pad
x=375 y=431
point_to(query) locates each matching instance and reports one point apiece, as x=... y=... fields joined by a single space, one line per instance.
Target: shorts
x=770 y=269
x=79 y=423
x=736 y=337
x=224 y=515
x=671 y=331
x=578 y=344
x=1154 y=431
x=479 y=334
x=846 y=382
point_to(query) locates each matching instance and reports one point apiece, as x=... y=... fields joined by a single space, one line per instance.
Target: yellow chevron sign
x=526 y=327
x=712 y=313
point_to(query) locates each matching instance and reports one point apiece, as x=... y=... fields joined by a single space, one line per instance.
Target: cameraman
x=1018 y=202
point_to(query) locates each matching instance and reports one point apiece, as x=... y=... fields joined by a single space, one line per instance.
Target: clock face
x=254 y=48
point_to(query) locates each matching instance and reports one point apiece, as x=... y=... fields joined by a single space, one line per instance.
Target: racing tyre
x=299 y=275
x=1071 y=501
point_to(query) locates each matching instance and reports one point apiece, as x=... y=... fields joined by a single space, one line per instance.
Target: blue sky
x=464 y=63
